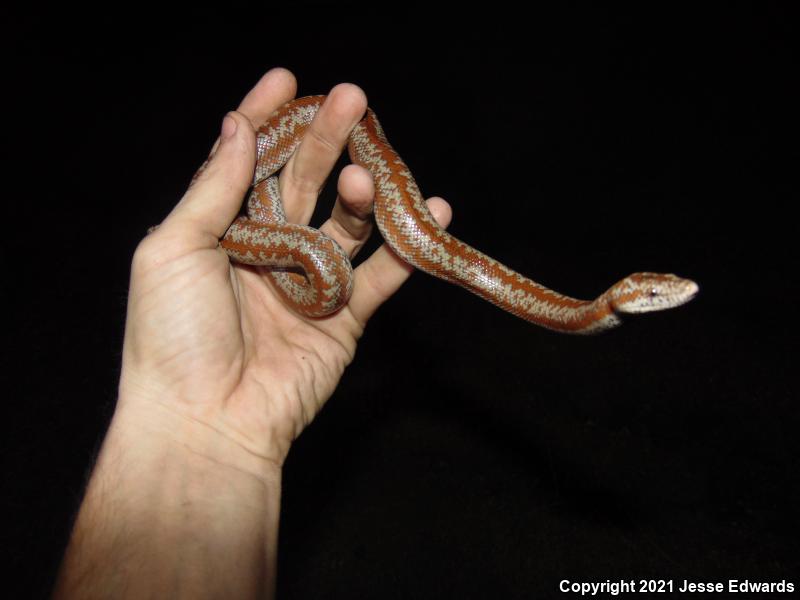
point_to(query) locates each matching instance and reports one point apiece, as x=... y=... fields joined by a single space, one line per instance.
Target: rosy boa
x=314 y=276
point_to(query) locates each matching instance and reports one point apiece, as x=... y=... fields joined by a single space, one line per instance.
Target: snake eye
x=653 y=292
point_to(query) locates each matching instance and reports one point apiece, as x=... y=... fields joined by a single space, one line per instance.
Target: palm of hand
x=211 y=330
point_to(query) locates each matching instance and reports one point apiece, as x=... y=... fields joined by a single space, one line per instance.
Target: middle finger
x=306 y=171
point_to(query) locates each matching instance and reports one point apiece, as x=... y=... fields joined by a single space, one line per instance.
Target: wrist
x=146 y=430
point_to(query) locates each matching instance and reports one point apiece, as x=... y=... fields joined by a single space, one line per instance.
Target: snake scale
x=314 y=276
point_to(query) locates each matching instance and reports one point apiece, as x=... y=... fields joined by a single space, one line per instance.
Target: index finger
x=275 y=88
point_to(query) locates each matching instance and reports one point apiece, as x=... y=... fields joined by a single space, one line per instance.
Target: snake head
x=648 y=292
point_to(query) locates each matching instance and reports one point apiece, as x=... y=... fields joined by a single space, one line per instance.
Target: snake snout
x=649 y=292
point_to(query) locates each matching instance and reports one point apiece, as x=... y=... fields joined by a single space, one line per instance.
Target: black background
x=465 y=453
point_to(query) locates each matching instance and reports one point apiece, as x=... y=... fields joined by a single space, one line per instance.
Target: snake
x=313 y=274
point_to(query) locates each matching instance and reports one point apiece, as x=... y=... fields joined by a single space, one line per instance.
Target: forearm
x=173 y=510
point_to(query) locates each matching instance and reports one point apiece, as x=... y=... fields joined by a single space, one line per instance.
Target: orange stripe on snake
x=313 y=275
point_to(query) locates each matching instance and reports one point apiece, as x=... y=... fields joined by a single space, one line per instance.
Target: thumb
x=215 y=195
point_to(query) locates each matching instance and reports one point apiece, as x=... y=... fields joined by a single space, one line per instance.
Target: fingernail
x=228 y=127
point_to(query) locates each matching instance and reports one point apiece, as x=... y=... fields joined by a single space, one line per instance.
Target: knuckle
x=158 y=248
x=148 y=254
x=324 y=141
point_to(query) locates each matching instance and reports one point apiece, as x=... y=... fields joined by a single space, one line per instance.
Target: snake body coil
x=265 y=238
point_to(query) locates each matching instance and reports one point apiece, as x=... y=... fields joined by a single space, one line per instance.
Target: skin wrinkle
x=357 y=327
x=150 y=255
x=329 y=145
x=265 y=394
x=207 y=456
x=343 y=232
x=205 y=424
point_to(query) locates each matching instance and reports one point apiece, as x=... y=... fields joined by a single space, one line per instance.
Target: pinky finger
x=382 y=274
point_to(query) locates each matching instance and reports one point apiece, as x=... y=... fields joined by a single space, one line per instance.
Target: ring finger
x=350 y=223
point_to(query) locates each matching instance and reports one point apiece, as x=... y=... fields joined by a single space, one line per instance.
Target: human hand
x=218 y=376
x=208 y=341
